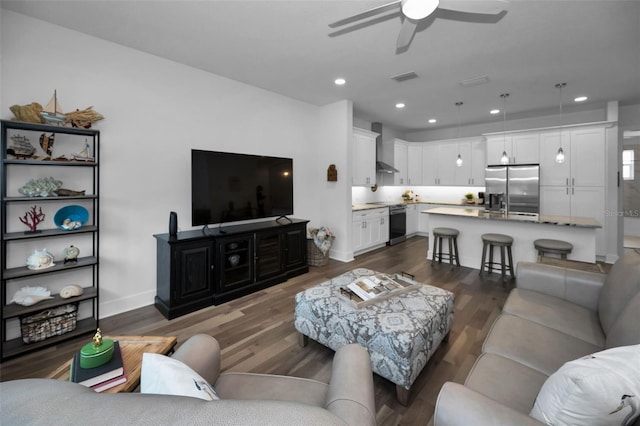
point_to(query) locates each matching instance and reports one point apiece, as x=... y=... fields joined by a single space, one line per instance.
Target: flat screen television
x=228 y=187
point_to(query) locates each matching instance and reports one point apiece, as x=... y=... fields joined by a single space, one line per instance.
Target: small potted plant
x=469 y=198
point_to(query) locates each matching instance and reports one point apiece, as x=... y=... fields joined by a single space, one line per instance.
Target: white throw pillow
x=167 y=376
x=598 y=389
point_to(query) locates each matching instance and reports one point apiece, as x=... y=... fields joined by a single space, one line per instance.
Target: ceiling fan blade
x=366 y=14
x=488 y=7
x=407 y=31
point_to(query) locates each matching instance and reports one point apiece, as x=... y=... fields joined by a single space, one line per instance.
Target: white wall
x=156 y=112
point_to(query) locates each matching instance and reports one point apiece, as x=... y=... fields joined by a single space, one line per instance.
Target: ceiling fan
x=413 y=11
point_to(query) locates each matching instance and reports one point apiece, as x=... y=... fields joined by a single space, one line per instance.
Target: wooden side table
x=132 y=348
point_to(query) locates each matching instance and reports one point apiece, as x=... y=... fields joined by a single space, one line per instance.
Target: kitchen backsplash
x=364 y=195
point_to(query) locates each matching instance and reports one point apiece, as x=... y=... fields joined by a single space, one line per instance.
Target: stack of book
x=100 y=378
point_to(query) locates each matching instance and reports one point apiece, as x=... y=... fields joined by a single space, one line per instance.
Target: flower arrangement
x=407 y=195
x=323 y=238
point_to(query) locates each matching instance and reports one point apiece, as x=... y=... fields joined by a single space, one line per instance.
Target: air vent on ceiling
x=405 y=76
x=474 y=81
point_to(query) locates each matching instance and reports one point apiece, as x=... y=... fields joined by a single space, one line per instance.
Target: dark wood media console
x=197 y=269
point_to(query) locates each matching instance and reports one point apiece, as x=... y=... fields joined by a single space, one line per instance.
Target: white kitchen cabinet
x=584 y=151
x=447 y=163
x=473 y=155
x=430 y=160
x=423 y=218
x=521 y=148
x=400 y=156
x=412 y=219
x=364 y=157
x=439 y=162
x=370 y=228
x=575 y=201
x=414 y=164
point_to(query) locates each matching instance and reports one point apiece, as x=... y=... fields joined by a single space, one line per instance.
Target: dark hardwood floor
x=256 y=332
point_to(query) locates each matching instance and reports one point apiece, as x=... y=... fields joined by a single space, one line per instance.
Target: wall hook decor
x=332 y=173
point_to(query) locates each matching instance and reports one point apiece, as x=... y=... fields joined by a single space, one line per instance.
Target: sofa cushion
x=162 y=375
x=626 y=330
x=623 y=282
x=556 y=313
x=536 y=346
x=598 y=389
x=234 y=385
x=505 y=381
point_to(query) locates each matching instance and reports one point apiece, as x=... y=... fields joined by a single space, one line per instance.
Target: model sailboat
x=52 y=112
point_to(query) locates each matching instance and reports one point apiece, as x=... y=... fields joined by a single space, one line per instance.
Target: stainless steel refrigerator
x=513 y=188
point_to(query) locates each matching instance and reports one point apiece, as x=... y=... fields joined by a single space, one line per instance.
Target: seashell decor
x=40 y=259
x=71 y=291
x=28 y=296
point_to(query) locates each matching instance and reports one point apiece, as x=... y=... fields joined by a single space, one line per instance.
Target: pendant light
x=560 y=153
x=505 y=158
x=459 y=159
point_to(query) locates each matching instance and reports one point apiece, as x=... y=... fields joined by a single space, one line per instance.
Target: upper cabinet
x=364 y=157
x=414 y=164
x=407 y=158
x=584 y=151
x=521 y=148
x=400 y=155
x=439 y=165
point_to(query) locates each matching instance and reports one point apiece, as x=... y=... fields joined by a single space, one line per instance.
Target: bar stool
x=502 y=241
x=451 y=235
x=543 y=246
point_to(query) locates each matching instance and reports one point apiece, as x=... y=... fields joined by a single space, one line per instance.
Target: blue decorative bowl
x=69 y=218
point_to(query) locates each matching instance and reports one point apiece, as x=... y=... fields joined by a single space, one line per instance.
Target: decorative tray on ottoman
x=366 y=290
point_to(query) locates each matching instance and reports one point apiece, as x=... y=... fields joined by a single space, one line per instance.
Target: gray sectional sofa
x=553 y=316
x=246 y=399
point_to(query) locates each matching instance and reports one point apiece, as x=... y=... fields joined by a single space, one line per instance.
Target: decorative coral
x=45 y=187
x=32 y=218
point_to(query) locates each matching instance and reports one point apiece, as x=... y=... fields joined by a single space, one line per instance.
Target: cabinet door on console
x=235 y=262
x=193 y=271
x=295 y=253
x=268 y=254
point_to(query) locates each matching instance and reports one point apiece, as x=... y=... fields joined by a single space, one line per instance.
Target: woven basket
x=49 y=323
x=314 y=255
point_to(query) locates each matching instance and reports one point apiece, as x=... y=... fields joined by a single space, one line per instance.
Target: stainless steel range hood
x=381 y=166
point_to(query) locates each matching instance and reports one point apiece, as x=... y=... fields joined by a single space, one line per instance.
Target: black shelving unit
x=16 y=244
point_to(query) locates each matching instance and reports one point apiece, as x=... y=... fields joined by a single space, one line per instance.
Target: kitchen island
x=525 y=229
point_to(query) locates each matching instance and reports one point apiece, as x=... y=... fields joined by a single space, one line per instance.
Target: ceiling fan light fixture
x=418 y=9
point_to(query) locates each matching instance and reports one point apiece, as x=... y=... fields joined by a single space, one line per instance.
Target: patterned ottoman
x=400 y=333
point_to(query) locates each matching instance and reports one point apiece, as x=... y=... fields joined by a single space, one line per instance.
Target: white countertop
x=583 y=222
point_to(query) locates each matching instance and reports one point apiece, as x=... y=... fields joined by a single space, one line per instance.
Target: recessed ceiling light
x=432 y=120
x=339 y=81
x=494 y=111
x=399 y=105
x=580 y=99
